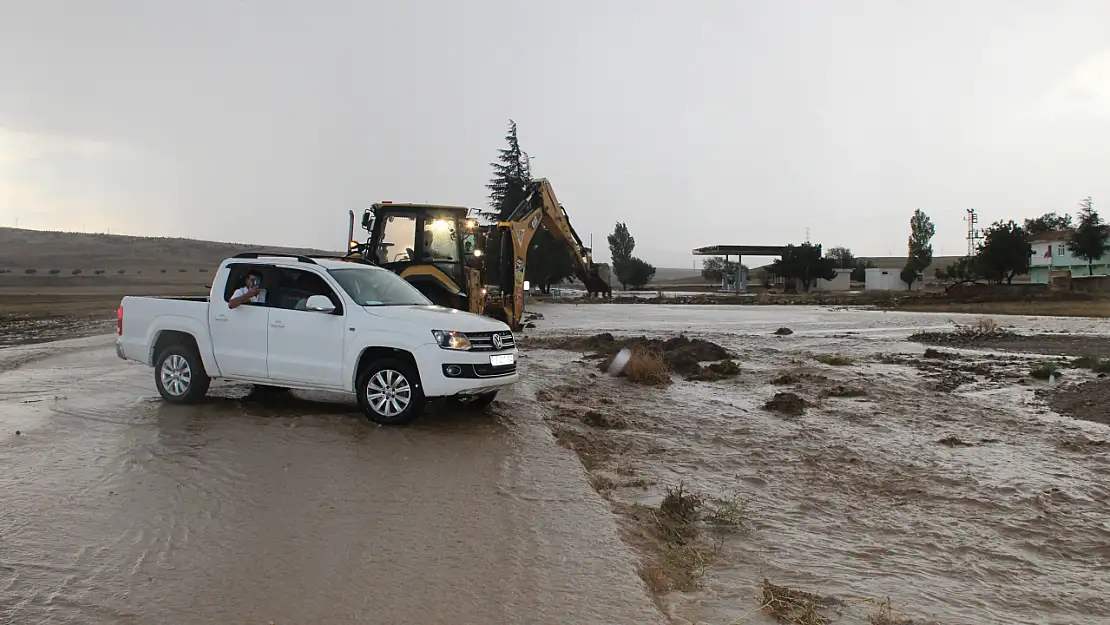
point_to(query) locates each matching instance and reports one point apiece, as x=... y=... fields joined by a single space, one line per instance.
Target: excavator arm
x=541 y=206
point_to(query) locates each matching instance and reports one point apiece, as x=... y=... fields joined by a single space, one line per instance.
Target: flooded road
x=119 y=508
x=963 y=502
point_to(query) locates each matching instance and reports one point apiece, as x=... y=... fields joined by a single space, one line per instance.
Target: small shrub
x=986 y=325
x=835 y=360
x=162 y=271
x=30 y=271
x=646 y=366
x=122 y=271
x=99 y=272
x=55 y=272
x=727 y=513
x=75 y=272
x=786 y=403
x=182 y=270
x=203 y=270
x=678 y=513
x=1045 y=370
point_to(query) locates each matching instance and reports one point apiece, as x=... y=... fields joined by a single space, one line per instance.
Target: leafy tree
x=1004 y=252
x=621 y=244
x=843 y=257
x=549 y=263
x=638 y=272
x=909 y=274
x=1048 y=222
x=859 y=272
x=1091 y=240
x=963 y=270
x=920 y=247
x=804 y=263
x=715 y=268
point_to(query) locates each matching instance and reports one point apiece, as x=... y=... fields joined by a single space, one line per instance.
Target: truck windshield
x=378 y=287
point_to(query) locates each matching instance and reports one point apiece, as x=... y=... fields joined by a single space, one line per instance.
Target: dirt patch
x=936 y=354
x=787 y=403
x=792 y=378
x=1084 y=445
x=715 y=371
x=834 y=360
x=841 y=390
x=1087 y=401
x=1094 y=347
x=953 y=441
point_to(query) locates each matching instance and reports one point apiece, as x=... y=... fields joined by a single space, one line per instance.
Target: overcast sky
x=696 y=123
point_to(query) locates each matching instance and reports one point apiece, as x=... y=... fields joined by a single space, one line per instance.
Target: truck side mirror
x=320 y=303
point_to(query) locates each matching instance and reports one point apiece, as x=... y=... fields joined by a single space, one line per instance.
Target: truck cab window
x=297 y=286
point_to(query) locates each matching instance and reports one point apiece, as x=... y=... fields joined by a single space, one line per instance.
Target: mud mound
x=786 y=403
x=1093 y=347
x=784 y=332
x=841 y=390
x=953 y=441
x=1087 y=401
x=939 y=355
x=715 y=371
x=604 y=421
x=792 y=378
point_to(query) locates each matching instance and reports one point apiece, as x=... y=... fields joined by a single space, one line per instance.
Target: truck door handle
x=221 y=317
x=277 y=324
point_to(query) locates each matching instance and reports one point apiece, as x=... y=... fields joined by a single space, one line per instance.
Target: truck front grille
x=483 y=341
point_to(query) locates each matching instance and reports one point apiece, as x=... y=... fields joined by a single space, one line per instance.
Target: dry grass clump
x=834 y=360
x=986 y=325
x=793 y=606
x=679 y=513
x=647 y=366
x=884 y=615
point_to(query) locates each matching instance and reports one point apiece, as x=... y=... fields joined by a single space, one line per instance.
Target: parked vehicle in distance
x=323 y=323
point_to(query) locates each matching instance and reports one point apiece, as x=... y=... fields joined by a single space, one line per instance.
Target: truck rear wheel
x=179 y=375
x=389 y=392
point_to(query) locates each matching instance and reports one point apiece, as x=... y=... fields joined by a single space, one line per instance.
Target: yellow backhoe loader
x=443 y=251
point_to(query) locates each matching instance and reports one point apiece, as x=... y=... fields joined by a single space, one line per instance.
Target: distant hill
x=66 y=251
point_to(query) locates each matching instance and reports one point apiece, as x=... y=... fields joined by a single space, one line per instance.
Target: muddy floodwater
x=946 y=485
x=118 y=508
x=943 y=483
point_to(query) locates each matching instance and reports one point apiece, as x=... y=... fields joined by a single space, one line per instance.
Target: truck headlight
x=450 y=339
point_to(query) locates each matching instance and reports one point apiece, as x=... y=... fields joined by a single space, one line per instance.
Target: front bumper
x=475 y=375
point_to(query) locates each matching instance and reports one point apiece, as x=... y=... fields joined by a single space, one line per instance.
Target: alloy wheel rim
x=176 y=375
x=389 y=393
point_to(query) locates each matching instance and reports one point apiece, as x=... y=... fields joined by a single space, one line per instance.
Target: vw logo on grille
x=497 y=341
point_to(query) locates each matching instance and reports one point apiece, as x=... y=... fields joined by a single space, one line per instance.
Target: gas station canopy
x=741 y=250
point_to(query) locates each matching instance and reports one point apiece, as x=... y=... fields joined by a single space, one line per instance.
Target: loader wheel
x=179 y=375
x=389 y=392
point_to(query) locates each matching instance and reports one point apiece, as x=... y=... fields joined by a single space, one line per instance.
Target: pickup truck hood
x=438 y=318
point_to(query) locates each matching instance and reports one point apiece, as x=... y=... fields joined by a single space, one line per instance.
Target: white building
x=886 y=279
x=1051 y=258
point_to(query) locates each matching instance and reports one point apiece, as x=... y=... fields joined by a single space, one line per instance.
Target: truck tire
x=476 y=402
x=180 y=376
x=389 y=392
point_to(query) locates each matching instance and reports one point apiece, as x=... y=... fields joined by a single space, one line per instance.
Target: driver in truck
x=252 y=291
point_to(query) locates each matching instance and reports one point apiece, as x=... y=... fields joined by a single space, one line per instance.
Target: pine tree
x=1091 y=240
x=511 y=174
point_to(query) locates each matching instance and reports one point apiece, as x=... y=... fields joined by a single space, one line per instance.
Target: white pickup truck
x=321 y=324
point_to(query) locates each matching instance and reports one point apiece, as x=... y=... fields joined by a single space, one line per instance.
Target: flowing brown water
x=119 y=508
x=1006 y=521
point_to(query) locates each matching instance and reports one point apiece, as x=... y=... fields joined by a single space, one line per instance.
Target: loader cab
x=427 y=245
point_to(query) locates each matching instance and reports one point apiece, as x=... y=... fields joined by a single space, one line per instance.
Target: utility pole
x=973 y=234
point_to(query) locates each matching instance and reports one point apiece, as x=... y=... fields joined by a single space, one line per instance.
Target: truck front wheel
x=180 y=376
x=389 y=392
